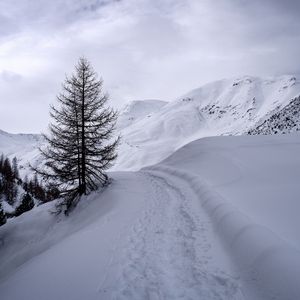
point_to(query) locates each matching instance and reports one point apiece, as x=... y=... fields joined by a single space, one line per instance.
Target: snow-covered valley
x=187 y=216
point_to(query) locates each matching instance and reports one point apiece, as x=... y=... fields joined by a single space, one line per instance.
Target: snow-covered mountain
x=151 y=130
x=225 y=107
x=12 y=144
x=137 y=110
x=216 y=219
x=285 y=120
x=23 y=146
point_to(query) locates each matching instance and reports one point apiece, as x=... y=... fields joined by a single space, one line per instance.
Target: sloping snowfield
x=218 y=219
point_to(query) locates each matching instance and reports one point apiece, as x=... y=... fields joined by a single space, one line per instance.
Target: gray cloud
x=141 y=48
x=7 y=76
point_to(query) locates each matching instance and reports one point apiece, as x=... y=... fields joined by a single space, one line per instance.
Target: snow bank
x=268 y=264
x=34 y=232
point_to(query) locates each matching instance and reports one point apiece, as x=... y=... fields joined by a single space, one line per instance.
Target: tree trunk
x=83 y=163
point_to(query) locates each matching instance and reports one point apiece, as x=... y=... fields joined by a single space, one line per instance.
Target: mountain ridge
x=223 y=107
x=151 y=130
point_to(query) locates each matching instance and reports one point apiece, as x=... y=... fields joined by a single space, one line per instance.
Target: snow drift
x=269 y=266
x=257 y=214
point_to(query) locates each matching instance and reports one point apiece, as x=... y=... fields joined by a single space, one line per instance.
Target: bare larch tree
x=80 y=148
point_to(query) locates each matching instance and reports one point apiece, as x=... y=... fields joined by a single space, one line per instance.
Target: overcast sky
x=154 y=49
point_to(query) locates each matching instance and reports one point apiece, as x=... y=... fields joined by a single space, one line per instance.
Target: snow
x=138 y=240
x=225 y=107
x=151 y=130
x=209 y=218
x=255 y=172
x=172 y=253
x=94 y=226
x=249 y=186
x=23 y=146
x=218 y=219
x=137 y=110
x=284 y=121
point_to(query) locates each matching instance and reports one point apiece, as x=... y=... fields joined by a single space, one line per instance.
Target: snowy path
x=145 y=237
x=170 y=253
x=155 y=234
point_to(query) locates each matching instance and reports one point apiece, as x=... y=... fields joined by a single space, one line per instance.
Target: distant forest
x=20 y=194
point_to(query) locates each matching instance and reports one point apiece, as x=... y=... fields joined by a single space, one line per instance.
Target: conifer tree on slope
x=79 y=144
x=15 y=168
x=2 y=215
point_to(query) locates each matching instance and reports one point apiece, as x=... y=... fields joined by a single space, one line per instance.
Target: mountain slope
x=137 y=110
x=225 y=107
x=151 y=130
x=23 y=146
x=285 y=120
